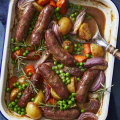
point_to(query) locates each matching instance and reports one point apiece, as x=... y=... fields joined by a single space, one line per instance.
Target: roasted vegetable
x=33 y=111
x=39 y=98
x=80 y=58
x=84 y=32
x=68 y=46
x=71 y=86
x=21 y=80
x=29 y=70
x=54 y=95
x=13 y=94
x=87 y=49
x=97 y=51
x=65 y=25
x=37 y=6
x=43 y=2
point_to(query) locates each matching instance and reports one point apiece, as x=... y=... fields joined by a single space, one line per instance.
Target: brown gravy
x=99 y=16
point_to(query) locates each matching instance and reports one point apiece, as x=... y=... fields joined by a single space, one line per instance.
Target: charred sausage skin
x=42 y=23
x=69 y=114
x=28 y=92
x=59 y=53
x=53 y=80
x=24 y=23
x=84 y=85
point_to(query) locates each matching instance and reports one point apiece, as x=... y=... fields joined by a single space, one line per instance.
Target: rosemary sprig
x=102 y=90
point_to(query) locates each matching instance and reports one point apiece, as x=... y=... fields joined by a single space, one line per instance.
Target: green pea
x=65 y=107
x=67 y=78
x=62 y=77
x=18 y=96
x=87 y=55
x=22 y=113
x=19 y=112
x=83 y=70
x=72 y=15
x=64 y=102
x=13 y=49
x=57 y=72
x=67 y=74
x=22 y=109
x=81 y=67
x=82 y=110
x=10 y=105
x=15 y=109
x=53 y=68
x=26 y=51
x=75 y=45
x=32 y=99
x=16 y=100
x=29 y=74
x=57 y=9
x=61 y=71
x=78 y=53
x=44 y=91
x=24 y=54
x=76 y=13
x=23 y=86
x=56 y=67
x=8 y=89
x=13 y=103
x=26 y=84
x=69 y=102
x=68 y=81
x=73 y=94
x=73 y=19
x=20 y=93
x=78 y=78
x=55 y=62
x=61 y=108
x=61 y=66
x=73 y=99
x=58 y=18
x=17 y=48
x=13 y=61
x=20 y=87
x=30 y=29
x=66 y=47
x=16 y=106
x=17 y=83
x=77 y=64
x=64 y=80
x=12 y=40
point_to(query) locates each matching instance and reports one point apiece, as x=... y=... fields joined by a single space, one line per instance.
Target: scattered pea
x=24 y=54
x=82 y=110
x=8 y=89
x=55 y=62
x=13 y=49
x=12 y=40
x=57 y=9
x=44 y=91
x=32 y=99
x=87 y=55
x=29 y=74
x=66 y=47
x=17 y=48
x=78 y=78
x=73 y=19
x=16 y=100
x=26 y=51
x=19 y=93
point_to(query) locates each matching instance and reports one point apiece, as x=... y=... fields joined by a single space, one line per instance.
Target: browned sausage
x=69 y=114
x=92 y=106
x=84 y=85
x=29 y=92
x=11 y=81
x=42 y=23
x=24 y=23
x=59 y=53
x=53 y=80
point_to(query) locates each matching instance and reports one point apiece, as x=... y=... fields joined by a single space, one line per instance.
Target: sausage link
x=59 y=53
x=28 y=92
x=84 y=85
x=69 y=114
x=42 y=23
x=53 y=80
x=24 y=23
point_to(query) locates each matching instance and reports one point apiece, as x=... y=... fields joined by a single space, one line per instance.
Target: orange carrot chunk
x=43 y=2
x=87 y=49
x=80 y=58
x=52 y=3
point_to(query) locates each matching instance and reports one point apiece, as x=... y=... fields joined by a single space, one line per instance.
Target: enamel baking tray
x=110 y=35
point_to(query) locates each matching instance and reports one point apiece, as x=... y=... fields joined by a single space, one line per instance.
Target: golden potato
x=54 y=94
x=39 y=97
x=33 y=111
x=97 y=51
x=71 y=86
x=21 y=80
x=65 y=25
x=13 y=94
x=38 y=7
x=84 y=32
x=68 y=46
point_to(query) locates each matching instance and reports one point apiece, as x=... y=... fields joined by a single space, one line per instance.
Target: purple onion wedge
x=88 y=116
x=73 y=71
x=79 y=20
x=55 y=28
x=96 y=61
x=97 y=83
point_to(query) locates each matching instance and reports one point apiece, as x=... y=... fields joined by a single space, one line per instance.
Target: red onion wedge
x=73 y=71
x=23 y=3
x=42 y=59
x=55 y=28
x=88 y=116
x=79 y=20
x=97 y=83
x=95 y=61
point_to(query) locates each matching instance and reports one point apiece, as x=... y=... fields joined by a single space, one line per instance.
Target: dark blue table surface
x=114 y=107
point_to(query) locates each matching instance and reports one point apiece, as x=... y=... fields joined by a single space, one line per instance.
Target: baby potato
x=68 y=46
x=39 y=97
x=13 y=94
x=21 y=80
x=54 y=94
x=65 y=25
x=71 y=86
x=97 y=51
x=33 y=111
x=84 y=32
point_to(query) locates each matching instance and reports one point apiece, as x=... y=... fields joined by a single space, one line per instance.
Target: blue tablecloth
x=114 y=108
